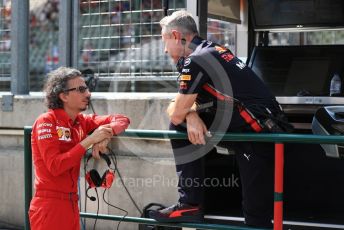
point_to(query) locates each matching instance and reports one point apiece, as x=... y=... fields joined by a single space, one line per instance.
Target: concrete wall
x=147 y=166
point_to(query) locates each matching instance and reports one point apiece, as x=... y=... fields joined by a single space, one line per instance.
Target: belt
x=57 y=195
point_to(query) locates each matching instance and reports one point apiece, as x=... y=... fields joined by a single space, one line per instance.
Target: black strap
x=104 y=156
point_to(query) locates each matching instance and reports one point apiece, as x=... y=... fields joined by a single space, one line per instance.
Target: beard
x=84 y=108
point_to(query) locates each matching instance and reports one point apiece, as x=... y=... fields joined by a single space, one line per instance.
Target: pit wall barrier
x=278 y=139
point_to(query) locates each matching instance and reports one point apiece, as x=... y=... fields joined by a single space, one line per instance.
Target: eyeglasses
x=81 y=89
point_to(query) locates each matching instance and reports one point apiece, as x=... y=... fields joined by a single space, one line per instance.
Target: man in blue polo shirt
x=217 y=93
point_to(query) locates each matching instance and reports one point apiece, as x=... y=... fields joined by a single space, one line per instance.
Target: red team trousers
x=54 y=211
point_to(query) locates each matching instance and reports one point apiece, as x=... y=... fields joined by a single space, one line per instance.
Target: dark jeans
x=256 y=166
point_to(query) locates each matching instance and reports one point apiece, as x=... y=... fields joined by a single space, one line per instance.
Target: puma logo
x=247 y=156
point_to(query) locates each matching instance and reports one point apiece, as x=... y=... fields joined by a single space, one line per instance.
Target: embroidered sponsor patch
x=46 y=136
x=240 y=64
x=185 y=77
x=187 y=62
x=44 y=131
x=185 y=70
x=183 y=85
x=220 y=49
x=45 y=125
x=227 y=57
x=63 y=133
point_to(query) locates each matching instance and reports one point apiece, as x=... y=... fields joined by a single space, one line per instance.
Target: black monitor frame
x=277 y=67
x=304 y=18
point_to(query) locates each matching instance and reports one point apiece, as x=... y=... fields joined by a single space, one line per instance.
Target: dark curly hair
x=57 y=83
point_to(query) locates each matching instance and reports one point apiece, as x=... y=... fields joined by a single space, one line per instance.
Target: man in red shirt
x=60 y=138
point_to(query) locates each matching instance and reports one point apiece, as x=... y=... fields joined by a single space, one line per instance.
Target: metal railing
x=154 y=222
x=278 y=139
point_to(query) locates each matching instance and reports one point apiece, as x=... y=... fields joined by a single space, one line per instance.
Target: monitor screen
x=298 y=70
x=297 y=13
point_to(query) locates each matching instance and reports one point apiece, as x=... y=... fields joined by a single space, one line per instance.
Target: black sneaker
x=178 y=213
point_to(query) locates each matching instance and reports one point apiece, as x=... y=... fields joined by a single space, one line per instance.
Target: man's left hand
x=196 y=128
x=100 y=147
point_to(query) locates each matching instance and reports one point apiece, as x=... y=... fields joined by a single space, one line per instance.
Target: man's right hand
x=196 y=128
x=101 y=133
x=98 y=135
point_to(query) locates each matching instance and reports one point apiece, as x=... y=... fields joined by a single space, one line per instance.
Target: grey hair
x=57 y=83
x=182 y=20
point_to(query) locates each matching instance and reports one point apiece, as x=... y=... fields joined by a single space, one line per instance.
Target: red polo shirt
x=56 y=147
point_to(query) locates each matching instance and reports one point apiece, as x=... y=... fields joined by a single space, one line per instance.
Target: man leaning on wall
x=60 y=138
x=217 y=93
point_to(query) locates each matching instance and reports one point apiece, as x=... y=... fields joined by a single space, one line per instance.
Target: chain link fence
x=120 y=41
x=335 y=37
x=5 y=45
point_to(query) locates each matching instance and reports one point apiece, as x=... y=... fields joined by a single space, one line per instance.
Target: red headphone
x=95 y=180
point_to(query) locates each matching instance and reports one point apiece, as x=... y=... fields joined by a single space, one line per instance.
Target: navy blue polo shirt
x=213 y=64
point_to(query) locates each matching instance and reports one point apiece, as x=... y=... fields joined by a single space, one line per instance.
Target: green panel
x=27 y=174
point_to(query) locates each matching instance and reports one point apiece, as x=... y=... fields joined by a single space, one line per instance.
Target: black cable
x=113 y=157
x=114 y=160
x=95 y=222
x=126 y=212
x=91 y=106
